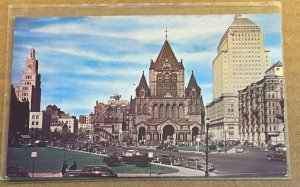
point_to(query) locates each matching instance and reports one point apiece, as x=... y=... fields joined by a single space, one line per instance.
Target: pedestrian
x=74 y=166
x=64 y=168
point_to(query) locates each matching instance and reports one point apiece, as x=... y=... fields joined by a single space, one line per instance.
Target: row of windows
x=234 y=39
x=27 y=83
x=36 y=123
x=25 y=88
x=35 y=116
x=28 y=77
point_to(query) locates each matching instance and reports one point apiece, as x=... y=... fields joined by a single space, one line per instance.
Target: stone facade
x=261 y=109
x=224 y=119
x=39 y=124
x=60 y=121
x=109 y=123
x=165 y=110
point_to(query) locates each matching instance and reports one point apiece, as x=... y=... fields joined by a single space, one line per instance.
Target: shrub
x=112 y=161
x=212 y=147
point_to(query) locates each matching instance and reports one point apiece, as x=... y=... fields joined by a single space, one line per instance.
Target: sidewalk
x=183 y=172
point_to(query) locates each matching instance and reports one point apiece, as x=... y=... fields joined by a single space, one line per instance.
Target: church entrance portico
x=141 y=133
x=168 y=132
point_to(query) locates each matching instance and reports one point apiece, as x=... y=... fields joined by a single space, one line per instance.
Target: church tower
x=166 y=74
x=29 y=87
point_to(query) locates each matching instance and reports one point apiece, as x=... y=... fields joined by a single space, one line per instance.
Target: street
x=251 y=163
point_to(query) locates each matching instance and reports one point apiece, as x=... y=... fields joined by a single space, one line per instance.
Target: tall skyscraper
x=241 y=60
x=29 y=87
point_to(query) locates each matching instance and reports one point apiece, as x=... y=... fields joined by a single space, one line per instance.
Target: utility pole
x=206 y=143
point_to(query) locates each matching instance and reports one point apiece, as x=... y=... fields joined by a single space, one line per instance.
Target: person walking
x=64 y=168
x=74 y=166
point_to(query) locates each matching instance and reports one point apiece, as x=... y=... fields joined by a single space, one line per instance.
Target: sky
x=85 y=59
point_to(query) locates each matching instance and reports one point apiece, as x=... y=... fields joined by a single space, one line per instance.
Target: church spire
x=193 y=84
x=142 y=86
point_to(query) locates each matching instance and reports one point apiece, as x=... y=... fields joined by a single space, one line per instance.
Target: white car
x=132 y=152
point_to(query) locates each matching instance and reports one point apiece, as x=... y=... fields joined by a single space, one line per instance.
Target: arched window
x=155 y=111
x=161 y=111
x=181 y=111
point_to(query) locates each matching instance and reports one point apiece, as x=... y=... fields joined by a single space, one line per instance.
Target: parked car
x=172 y=148
x=162 y=147
x=282 y=148
x=16 y=172
x=92 y=171
x=166 y=159
x=280 y=156
x=178 y=161
x=132 y=152
x=239 y=149
x=250 y=144
x=197 y=163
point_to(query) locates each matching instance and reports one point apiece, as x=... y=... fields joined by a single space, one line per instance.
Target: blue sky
x=84 y=59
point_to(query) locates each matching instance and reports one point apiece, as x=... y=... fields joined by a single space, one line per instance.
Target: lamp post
x=150 y=156
x=225 y=131
x=206 y=143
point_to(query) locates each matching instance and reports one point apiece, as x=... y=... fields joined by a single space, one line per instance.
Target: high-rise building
x=29 y=87
x=241 y=59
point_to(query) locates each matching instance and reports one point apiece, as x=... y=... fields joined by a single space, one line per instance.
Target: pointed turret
x=193 y=86
x=166 y=58
x=142 y=89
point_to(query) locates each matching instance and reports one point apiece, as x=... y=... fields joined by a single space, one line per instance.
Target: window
x=37 y=116
x=33 y=116
x=36 y=123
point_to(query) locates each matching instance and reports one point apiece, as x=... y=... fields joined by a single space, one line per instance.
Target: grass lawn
x=51 y=160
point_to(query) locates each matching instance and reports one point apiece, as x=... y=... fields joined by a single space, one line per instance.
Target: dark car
x=162 y=147
x=92 y=171
x=16 y=172
x=166 y=159
x=280 y=156
x=172 y=148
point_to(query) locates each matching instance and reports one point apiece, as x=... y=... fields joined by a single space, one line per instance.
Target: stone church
x=164 y=110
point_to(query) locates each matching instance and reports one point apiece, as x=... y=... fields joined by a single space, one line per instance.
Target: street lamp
x=225 y=131
x=150 y=156
x=206 y=143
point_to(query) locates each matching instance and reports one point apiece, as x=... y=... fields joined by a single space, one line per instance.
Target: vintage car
x=16 y=172
x=92 y=171
x=178 y=161
x=239 y=149
x=172 y=148
x=280 y=156
x=197 y=163
x=162 y=147
x=166 y=159
x=132 y=152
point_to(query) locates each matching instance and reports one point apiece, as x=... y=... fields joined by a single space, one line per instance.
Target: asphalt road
x=251 y=163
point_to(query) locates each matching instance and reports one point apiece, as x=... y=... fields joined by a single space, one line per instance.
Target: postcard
x=151 y=96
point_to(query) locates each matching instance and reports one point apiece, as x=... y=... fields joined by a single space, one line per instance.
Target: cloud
x=84 y=59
